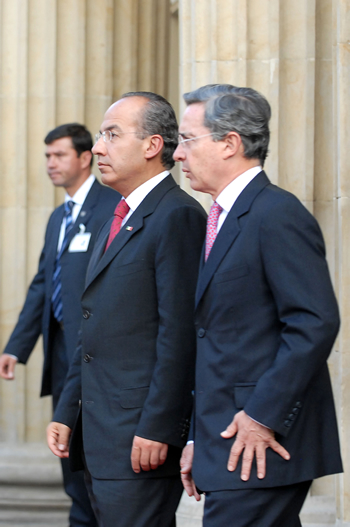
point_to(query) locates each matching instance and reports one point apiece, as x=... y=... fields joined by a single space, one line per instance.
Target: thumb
x=230 y=431
x=11 y=369
x=63 y=438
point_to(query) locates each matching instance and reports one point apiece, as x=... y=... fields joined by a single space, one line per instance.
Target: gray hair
x=232 y=109
x=158 y=118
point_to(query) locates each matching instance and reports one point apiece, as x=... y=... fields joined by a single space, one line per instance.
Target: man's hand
x=147 y=454
x=58 y=435
x=186 y=471
x=254 y=439
x=7 y=366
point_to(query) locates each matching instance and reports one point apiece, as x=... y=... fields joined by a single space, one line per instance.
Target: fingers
x=279 y=449
x=186 y=468
x=7 y=367
x=235 y=452
x=135 y=458
x=189 y=486
x=58 y=435
x=252 y=440
x=187 y=459
x=147 y=455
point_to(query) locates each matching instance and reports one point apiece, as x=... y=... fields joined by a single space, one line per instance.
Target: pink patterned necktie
x=212 y=225
x=120 y=212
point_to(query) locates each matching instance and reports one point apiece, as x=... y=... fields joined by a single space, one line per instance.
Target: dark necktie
x=212 y=227
x=120 y=212
x=56 y=298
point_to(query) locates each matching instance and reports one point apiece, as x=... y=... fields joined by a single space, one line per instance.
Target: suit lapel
x=100 y=259
x=228 y=232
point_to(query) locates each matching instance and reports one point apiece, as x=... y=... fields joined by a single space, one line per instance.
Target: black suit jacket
x=134 y=370
x=266 y=319
x=35 y=317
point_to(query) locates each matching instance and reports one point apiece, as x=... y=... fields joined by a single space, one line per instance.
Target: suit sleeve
x=68 y=404
x=293 y=255
x=167 y=410
x=28 y=327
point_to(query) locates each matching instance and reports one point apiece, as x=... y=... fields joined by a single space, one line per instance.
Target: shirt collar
x=229 y=195
x=80 y=195
x=138 y=195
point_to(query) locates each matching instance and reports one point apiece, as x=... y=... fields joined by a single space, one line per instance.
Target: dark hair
x=158 y=117
x=79 y=134
x=242 y=110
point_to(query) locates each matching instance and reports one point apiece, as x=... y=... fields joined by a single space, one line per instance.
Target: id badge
x=80 y=242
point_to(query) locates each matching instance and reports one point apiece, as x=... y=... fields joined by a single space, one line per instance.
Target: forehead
x=193 y=118
x=64 y=143
x=124 y=113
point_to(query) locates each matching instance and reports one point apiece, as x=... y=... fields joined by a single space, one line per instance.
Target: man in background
x=52 y=306
x=266 y=318
x=134 y=371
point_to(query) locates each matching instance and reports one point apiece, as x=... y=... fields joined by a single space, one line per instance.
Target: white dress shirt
x=229 y=195
x=78 y=198
x=138 y=195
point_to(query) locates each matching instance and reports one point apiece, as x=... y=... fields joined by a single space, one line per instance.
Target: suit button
x=87 y=358
x=295 y=410
x=201 y=333
x=86 y=314
x=291 y=417
x=287 y=423
x=298 y=404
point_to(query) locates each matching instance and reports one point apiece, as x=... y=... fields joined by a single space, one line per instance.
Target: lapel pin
x=82 y=213
x=129 y=228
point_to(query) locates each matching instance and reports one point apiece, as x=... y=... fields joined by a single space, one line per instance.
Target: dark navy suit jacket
x=266 y=319
x=35 y=317
x=134 y=370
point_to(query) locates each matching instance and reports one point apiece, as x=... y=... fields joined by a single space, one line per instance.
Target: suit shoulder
x=279 y=209
x=278 y=201
x=109 y=194
x=177 y=198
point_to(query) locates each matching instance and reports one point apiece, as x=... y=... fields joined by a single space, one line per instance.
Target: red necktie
x=120 y=212
x=212 y=225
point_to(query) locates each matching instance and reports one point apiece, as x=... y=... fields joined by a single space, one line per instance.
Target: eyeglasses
x=182 y=141
x=108 y=136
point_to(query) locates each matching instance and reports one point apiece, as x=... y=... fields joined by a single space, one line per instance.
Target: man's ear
x=154 y=146
x=232 y=145
x=85 y=159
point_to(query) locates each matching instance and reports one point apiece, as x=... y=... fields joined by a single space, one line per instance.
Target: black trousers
x=81 y=513
x=135 y=503
x=275 y=507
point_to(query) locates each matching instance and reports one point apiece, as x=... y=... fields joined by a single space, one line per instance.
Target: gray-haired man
x=266 y=318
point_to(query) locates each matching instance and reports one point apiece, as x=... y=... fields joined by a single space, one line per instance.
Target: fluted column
x=13 y=196
x=341 y=171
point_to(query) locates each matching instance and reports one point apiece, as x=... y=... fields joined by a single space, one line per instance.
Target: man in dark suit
x=266 y=318
x=52 y=307
x=134 y=370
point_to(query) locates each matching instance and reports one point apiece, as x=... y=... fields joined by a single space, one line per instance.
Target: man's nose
x=99 y=147
x=179 y=154
x=50 y=162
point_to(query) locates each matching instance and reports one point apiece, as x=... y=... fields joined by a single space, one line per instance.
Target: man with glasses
x=134 y=370
x=266 y=317
x=52 y=307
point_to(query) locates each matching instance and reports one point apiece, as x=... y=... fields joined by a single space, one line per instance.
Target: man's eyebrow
x=112 y=127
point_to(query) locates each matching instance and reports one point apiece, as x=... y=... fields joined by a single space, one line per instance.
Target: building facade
x=68 y=60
